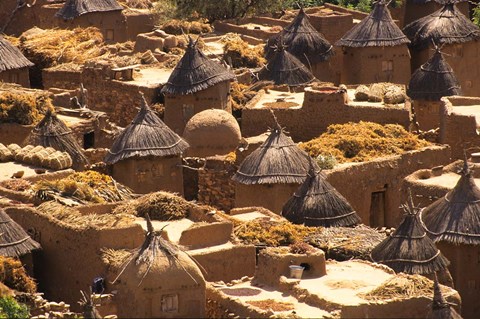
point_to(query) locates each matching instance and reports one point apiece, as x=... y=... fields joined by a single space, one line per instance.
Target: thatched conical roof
x=408 y=249
x=277 y=161
x=455 y=218
x=52 y=132
x=441 y=309
x=75 y=8
x=147 y=135
x=376 y=30
x=14 y=241
x=446 y=25
x=11 y=58
x=318 y=203
x=284 y=68
x=433 y=80
x=195 y=72
x=302 y=40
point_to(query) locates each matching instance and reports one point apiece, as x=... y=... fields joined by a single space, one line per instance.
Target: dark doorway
x=89 y=140
x=377 y=209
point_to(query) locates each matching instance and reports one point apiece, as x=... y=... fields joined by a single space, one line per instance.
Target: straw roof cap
x=376 y=30
x=147 y=135
x=455 y=218
x=446 y=25
x=14 y=241
x=441 y=309
x=11 y=58
x=433 y=80
x=318 y=203
x=75 y=8
x=195 y=72
x=277 y=161
x=408 y=249
x=302 y=40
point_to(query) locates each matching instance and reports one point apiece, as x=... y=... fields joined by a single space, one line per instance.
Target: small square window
x=170 y=303
x=109 y=35
x=387 y=66
x=14 y=78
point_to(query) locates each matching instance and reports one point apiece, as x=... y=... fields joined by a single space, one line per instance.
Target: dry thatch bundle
x=284 y=68
x=75 y=8
x=302 y=40
x=433 y=80
x=447 y=25
x=17 y=185
x=74 y=218
x=179 y=27
x=25 y=109
x=84 y=187
x=241 y=94
x=318 y=203
x=147 y=135
x=14 y=241
x=271 y=233
x=401 y=286
x=363 y=141
x=11 y=58
x=408 y=249
x=239 y=54
x=277 y=161
x=52 y=132
x=195 y=72
x=344 y=243
x=455 y=218
x=441 y=309
x=159 y=205
x=14 y=276
x=376 y=30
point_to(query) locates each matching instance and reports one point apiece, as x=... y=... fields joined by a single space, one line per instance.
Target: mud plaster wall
x=180 y=108
x=119 y=99
x=63 y=79
x=458 y=131
x=206 y=235
x=427 y=114
x=357 y=182
x=71 y=255
x=319 y=110
x=148 y=174
x=215 y=185
x=462 y=58
x=14 y=133
x=330 y=70
x=19 y=76
x=332 y=27
x=233 y=305
x=269 y=196
x=366 y=65
x=423 y=194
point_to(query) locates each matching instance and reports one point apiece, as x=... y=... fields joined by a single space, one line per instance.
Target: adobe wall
x=239 y=27
x=14 y=133
x=332 y=27
x=319 y=110
x=18 y=76
x=423 y=195
x=119 y=99
x=62 y=271
x=330 y=70
x=458 y=131
x=138 y=21
x=364 y=65
x=427 y=114
x=214 y=97
x=215 y=185
x=62 y=79
x=269 y=196
x=148 y=174
x=206 y=235
x=357 y=181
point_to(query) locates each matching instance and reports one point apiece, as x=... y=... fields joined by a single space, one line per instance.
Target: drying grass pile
x=14 y=276
x=17 y=185
x=25 y=109
x=137 y=4
x=271 y=233
x=344 y=243
x=88 y=186
x=73 y=217
x=401 y=286
x=178 y=27
x=115 y=258
x=161 y=206
x=359 y=142
x=239 y=54
x=272 y=304
x=241 y=95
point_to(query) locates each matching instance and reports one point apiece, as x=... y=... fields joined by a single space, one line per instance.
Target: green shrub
x=10 y=308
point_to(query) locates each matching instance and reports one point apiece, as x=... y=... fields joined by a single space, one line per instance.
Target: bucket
x=296 y=271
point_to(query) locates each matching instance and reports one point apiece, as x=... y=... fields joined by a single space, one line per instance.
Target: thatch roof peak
x=318 y=203
x=146 y=135
x=302 y=40
x=11 y=58
x=75 y=8
x=455 y=218
x=14 y=241
x=277 y=161
x=433 y=80
x=195 y=72
x=376 y=30
x=408 y=249
x=441 y=309
x=444 y=26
